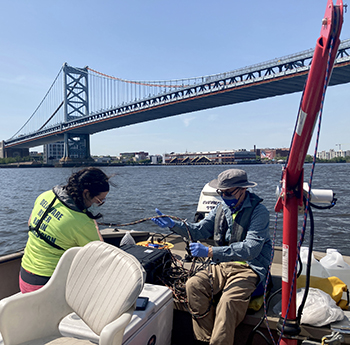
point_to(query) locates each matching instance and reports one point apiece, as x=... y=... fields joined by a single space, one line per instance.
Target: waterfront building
x=332 y=154
x=103 y=159
x=133 y=156
x=12 y=152
x=211 y=157
x=53 y=152
x=272 y=153
x=156 y=159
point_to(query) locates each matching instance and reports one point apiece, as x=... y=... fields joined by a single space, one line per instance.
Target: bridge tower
x=76 y=105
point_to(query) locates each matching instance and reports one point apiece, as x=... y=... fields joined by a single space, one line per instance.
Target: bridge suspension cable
x=107 y=93
x=149 y=83
x=52 y=97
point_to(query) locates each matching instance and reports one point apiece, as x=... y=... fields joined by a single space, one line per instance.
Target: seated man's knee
x=191 y=285
x=198 y=284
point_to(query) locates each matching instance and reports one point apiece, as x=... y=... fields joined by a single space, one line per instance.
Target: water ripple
x=174 y=190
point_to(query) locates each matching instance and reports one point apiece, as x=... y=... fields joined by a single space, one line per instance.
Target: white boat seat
x=59 y=341
x=98 y=282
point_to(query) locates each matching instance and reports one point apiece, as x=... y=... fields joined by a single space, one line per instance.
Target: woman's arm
x=98 y=231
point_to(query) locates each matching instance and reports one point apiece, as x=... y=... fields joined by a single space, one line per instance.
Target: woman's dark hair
x=92 y=179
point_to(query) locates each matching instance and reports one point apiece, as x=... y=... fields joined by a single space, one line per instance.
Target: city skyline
x=320 y=154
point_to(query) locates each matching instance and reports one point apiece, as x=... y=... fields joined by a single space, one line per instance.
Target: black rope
x=255 y=329
x=332 y=204
x=308 y=266
x=145 y=220
x=176 y=275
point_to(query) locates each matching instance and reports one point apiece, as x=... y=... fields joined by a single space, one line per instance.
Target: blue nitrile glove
x=199 y=250
x=164 y=222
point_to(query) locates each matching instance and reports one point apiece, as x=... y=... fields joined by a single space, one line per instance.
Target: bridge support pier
x=76 y=149
x=76 y=105
x=12 y=152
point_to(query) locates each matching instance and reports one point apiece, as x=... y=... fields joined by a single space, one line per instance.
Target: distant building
x=211 y=157
x=156 y=159
x=12 y=152
x=332 y=154
x=37 y=156
x=103 y=159
x=53 y=152
x=272 y=153
x=133 y=156
x=323 y=155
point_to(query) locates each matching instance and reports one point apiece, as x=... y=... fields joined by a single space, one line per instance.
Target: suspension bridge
x=83 y=101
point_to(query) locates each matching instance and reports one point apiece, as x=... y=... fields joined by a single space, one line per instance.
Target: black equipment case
x=153 y=260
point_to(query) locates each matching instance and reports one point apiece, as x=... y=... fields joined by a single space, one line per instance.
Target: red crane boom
x=291 y=196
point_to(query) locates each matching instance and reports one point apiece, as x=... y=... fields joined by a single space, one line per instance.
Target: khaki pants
x=237 y=282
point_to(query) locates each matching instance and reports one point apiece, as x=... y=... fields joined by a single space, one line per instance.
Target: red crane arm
x=292 y=177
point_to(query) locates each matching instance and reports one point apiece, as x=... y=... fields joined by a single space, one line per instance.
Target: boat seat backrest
x=103 y=282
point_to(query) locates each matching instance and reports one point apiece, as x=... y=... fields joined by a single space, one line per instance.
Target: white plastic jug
x=127 y=239
x=335 y=265
x=317 y=270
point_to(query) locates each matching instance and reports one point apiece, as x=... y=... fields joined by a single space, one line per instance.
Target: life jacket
x=240 y=224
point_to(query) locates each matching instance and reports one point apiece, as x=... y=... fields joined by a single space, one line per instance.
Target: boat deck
x=182 y=325
x=182 y=319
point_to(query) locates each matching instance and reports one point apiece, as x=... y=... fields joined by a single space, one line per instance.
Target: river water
x=175 y=191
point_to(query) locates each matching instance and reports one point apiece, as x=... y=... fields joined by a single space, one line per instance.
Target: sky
x=163 y=40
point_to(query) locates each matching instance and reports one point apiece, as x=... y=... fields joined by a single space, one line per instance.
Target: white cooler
x=150 y=326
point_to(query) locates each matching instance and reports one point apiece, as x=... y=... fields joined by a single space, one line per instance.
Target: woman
x=62 y=218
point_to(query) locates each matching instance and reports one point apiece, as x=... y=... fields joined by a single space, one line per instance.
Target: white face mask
x=94 y=209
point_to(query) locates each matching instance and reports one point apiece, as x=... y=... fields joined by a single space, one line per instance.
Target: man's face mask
x=230 y=201
x=230 y=197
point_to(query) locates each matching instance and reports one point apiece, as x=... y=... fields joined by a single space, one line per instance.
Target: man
x=240 y=228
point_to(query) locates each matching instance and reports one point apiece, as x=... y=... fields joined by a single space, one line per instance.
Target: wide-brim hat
x=232 y=178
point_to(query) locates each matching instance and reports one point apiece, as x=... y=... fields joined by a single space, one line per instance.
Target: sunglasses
x=227 y=193
x=100 y=202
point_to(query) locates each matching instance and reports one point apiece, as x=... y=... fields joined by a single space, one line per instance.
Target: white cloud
x=187 y=120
